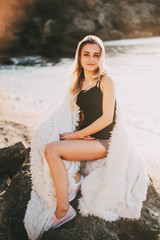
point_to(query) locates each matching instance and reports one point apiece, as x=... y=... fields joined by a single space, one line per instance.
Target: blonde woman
x=85 y=135
x=94 y=92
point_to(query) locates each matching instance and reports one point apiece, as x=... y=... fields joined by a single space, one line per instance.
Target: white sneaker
x=69 y=216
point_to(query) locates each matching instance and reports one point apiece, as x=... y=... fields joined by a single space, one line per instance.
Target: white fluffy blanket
x=113 y=187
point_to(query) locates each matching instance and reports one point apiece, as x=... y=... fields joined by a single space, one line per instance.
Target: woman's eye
x=86 y=54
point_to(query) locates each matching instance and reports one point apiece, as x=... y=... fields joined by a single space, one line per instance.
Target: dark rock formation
x=14 y=201
x=6 y=61
x=93 y=228
x=4 y=182
x=12 y=158
x=51 y=27
x=13 y=204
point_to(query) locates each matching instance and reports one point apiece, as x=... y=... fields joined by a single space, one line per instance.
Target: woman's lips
x=91 y=64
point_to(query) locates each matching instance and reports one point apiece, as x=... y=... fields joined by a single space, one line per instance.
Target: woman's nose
x=91 y=58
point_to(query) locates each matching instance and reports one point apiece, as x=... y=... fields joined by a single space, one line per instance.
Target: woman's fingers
x=70 y=135
x=89 y=138
x=62 y=136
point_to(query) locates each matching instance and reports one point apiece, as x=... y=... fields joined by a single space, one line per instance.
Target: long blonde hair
x=78 y=72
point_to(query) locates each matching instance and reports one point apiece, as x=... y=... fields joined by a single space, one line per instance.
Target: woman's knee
x=50 y=149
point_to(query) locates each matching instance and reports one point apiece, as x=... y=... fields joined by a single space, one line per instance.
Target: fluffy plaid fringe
x=113 y=187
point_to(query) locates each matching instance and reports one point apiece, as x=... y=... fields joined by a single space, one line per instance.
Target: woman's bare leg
x=71 y=150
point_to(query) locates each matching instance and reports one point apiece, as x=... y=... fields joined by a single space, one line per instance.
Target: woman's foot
x=73 y=192
x=71 y=213
x=60 y=213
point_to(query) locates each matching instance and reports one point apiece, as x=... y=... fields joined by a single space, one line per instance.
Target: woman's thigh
x=78 y=150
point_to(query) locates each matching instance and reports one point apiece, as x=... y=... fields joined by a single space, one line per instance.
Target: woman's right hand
x=88 y=138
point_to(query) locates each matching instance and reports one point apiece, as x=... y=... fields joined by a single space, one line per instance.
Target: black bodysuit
x=90 y=103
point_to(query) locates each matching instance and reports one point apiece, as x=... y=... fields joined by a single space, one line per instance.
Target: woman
x=96 y=98
x=87 y=130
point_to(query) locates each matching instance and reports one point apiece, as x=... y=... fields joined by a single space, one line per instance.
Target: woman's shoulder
x=107 y=81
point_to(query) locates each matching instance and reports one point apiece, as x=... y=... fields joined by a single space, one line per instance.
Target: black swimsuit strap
x=99 y=82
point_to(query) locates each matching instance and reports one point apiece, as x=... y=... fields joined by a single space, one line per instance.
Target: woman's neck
x=88 y=76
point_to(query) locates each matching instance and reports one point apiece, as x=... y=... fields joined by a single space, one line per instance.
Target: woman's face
x=90 y=54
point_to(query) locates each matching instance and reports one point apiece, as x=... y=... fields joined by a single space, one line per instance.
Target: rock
x=147 y=227
x=89 y=228
x=80 y=27
x=49 y=38
x=4 y=183
x=13 y=204
x=12 y=158
x=116 y=34
x=84 y=25
x=48 y=27
x=28 y=62
x=139 y=34
x=6 y=61
x=101 y=18
x=89 y=4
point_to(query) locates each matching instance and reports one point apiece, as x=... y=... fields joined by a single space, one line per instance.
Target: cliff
x=51 y=27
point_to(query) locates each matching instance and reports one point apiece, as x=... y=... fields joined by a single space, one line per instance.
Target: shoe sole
x=67 y=220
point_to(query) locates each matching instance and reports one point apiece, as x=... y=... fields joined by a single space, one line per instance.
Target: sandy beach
x=17 y=124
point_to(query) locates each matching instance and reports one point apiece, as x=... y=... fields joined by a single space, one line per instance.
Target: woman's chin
x=90 y=68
